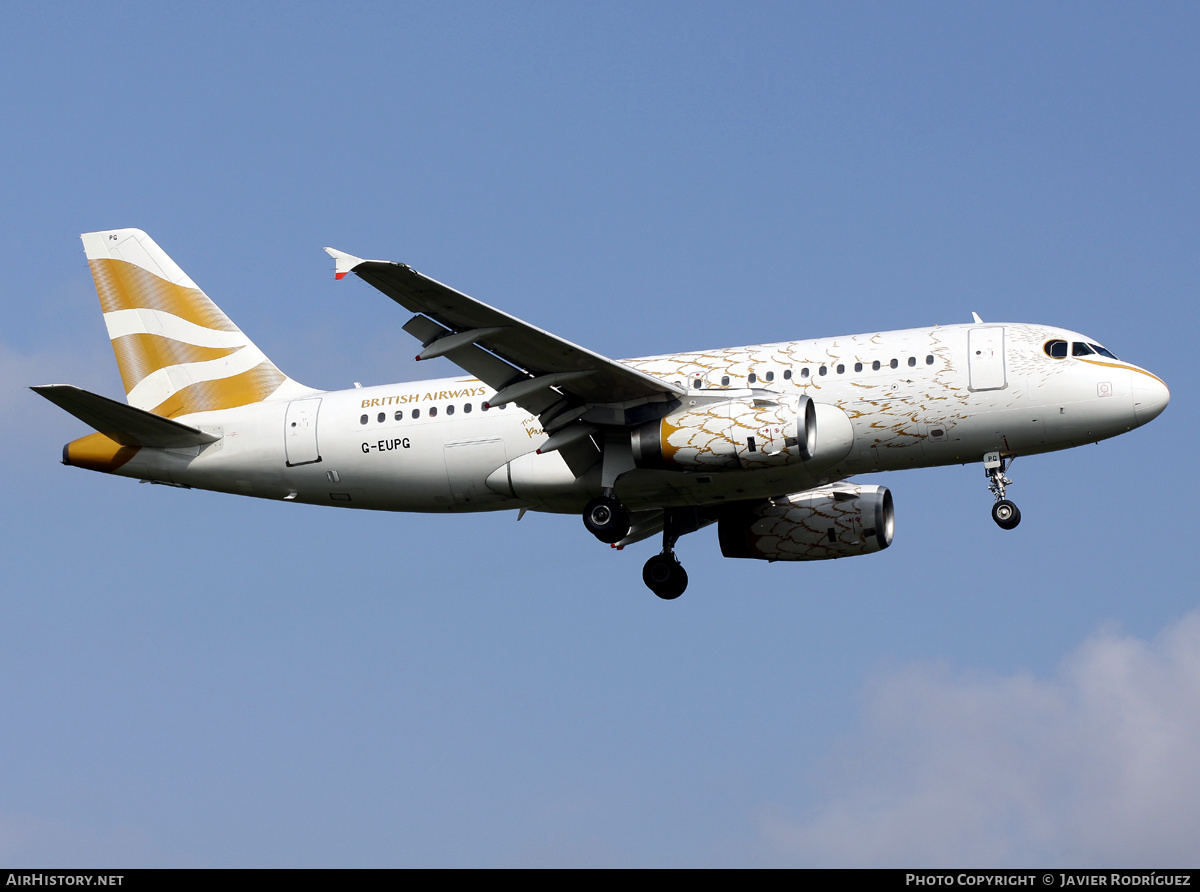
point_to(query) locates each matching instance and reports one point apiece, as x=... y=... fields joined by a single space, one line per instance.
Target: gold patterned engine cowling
x=840 y=520
x=746 y=433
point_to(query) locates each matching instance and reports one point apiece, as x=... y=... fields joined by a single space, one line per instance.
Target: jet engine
x=747 y=433
x=839 y=520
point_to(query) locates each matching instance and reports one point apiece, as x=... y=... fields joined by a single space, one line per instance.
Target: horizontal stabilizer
x=125 y=424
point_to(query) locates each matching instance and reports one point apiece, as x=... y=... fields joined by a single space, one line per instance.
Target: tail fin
x=177 y=352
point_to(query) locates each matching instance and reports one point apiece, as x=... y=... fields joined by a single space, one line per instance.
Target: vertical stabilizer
x=177 y=352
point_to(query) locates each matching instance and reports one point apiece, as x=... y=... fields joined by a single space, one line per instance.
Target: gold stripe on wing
x=139 y=355
x=126 y=286
x=252 y=386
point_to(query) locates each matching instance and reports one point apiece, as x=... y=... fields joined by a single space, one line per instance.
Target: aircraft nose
x=1150 y=397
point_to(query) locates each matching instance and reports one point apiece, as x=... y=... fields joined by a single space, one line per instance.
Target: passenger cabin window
x=449 y=410
x=1081 y=349
x=400 y=415
x=858 y=366
x=770 y=377
x=912 y=362
x=724 y=380
x=696 y=384
x=382 y=417
x=433 y=411
x=787 y=374
x=929 y=359
x=467 y=408
x=363 y=420
x=804 y=372
x=822 y=371
x=895 y=363
x=751 y=378
x=875 y=366
x=416 y=413
x=1056 y=349
x=841 y=368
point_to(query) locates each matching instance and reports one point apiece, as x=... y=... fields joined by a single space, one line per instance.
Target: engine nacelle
x=839 y=520
x=747 y=433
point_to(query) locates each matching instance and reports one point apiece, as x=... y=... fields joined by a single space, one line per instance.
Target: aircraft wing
x=534 y=360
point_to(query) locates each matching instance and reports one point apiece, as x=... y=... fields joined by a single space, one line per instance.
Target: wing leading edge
x=535 y=362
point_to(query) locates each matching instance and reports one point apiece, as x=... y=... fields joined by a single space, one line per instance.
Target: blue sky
x=197 y=679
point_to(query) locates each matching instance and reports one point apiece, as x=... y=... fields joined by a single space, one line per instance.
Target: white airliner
x=760 y=440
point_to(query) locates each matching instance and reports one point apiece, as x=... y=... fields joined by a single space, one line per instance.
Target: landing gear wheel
x=665 y=576
x=1006 y=514
x=606 y=519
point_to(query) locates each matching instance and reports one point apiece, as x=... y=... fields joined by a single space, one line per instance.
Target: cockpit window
x=1056 y=349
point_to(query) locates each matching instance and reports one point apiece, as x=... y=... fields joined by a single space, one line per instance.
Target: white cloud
x=1097 y=766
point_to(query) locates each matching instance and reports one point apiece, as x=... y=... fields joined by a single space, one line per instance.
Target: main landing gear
x=606 y=518
x=1005 y=513
x=663 y=574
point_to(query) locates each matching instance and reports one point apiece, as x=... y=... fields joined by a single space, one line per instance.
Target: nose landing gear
x=1005 y=513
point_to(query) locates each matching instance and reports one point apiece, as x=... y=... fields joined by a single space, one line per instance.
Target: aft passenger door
x=300 y=432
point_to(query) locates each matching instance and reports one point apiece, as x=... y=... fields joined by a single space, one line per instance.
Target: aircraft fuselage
x=913 y=398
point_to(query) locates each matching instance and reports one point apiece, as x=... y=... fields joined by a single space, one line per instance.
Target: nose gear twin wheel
x=665 y=576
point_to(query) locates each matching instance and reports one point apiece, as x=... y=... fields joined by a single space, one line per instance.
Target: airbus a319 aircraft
x=760 y=440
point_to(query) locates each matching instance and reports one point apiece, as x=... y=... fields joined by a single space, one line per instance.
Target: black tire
x=665 y=576
x=606 y=519
x=1006 y=514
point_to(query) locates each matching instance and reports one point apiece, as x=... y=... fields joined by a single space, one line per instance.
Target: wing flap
x=123 y=423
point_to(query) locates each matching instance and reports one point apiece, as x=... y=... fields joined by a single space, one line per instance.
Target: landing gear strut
x=1005 y=513
x=663 y=574
x=606 y=518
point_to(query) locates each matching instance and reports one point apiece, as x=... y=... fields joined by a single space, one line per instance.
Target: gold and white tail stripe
x=177 y=352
